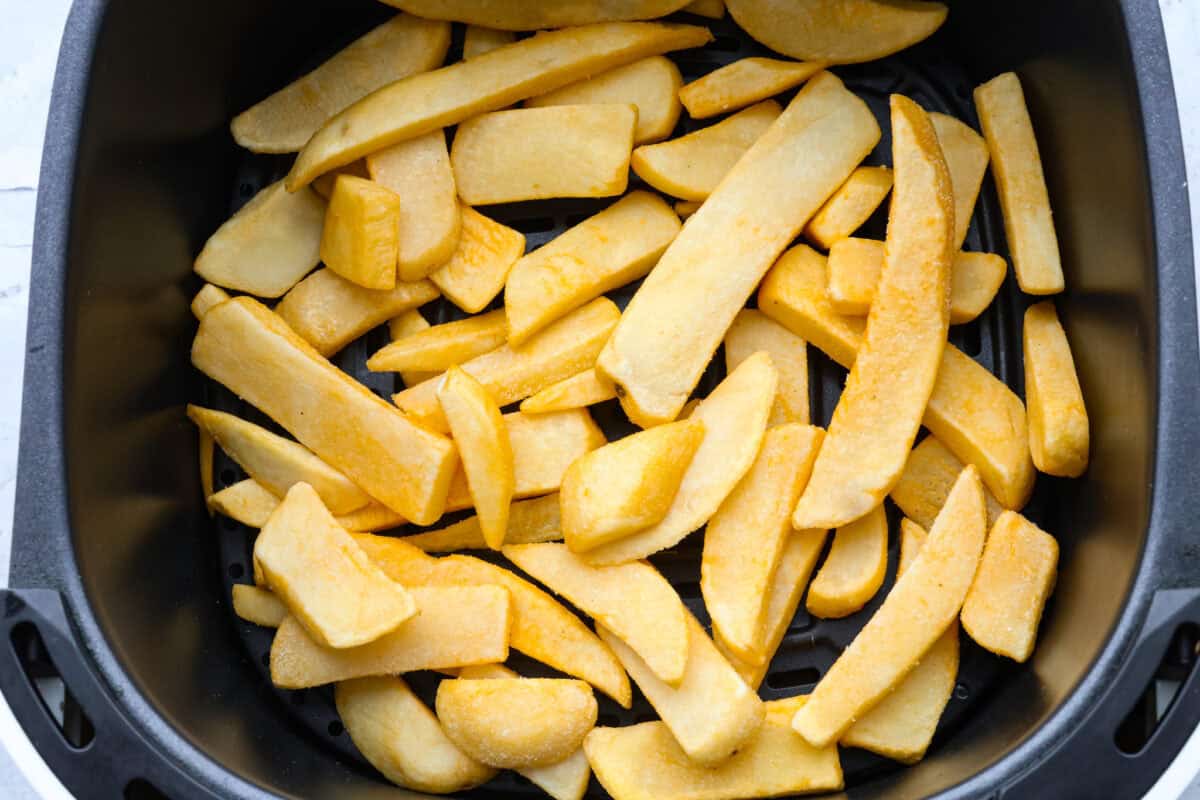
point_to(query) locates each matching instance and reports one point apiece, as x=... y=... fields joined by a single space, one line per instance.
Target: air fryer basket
x=126 y=580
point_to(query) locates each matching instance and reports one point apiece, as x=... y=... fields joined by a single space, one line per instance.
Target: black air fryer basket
x=121 y=581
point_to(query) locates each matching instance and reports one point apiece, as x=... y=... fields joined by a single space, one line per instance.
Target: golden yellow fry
x=400 y=47
x=745 y=538
x=676 y=320
x=1016 y=575
x=651 y=85
x=429 y=220
x=443 y=346
x=743 y=82
x=407 y=324
x=533 y=15
x=454 y=626
x=564 y=348
x=422 y=103
x=1017 y=165
x=323 y=185
x=579 y=391
x=258 y=605
x=360 y=238
x=901 y=726
x=691 y=166
x=711 y=712
x=529 y=521
x=632 y=600
x=479 y=40
x=928 y=476
x=484 y=447
x=838 y=31
x=713 y=9
x=685 y=208
x=854 y=569
x=966 y=155
x=204 y=447
x=476 y=271
x=880 y=409
x=1059 y=437
x=256 y=355
x=753 y=331
x=735 y=418
x=402 y=738
x=206 y=298
x=922 y=604
x=329 y=312
x=371 y=517
x=246 y=501
x=607 y=250
x=850 y=206
x=268 y=245
x=541 y=153
x=627 y=485
x=644 y=762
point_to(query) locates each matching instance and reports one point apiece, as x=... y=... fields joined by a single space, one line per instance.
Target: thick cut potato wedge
x=795 y=295
x=1059 y=437
x=402 y=738
x=609 y=249
x=627 y=485
x=440 y=347
x=856 y=264
x=735 y=418
x=206 y=298
x=256 y=355
x=676 y=320
x=920 y=607
x=529 y=521
x=400 y=47
x=651 y=85
x=268 y=245
x=485 y=449
x=326 y=581
x=533 y=15
x=455 y=626
x=1016 y=575
x=476 y=272
x=966 y=155
x=751 y=332
x=278 y=463
x=745 y=538
x=429 y=220
x=422 y=103
x=540 y=153
x=901 y=726
x=743 y=82
x=850 y=206
x=929 y=475
x=324 y=184
x=713 y=9
x=360 y=240
x=854 y=569
x=564 y=348
x=329 y=312
x=711 y=712
x=644 y=762
x=408 y=324
x=204 y=448
x=479 y=40
x=879 y=412
x=632 y=600
x=516 y=723
x=258 y=605
x=838 y=31
x=371 y=517
x=1017 y=165
x=579 y=391
x=541 y=628
x=248 y=502
x=691 y=166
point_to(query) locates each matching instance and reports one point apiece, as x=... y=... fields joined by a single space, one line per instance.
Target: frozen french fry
x=713 y=9
x=360 y=238
x=248 y=502
x=407 y=324
x=966 y=156
x=533 y=15
x=1059 y=436
x=743 y=82
x=440 y=347
x=851 y=205
x=476 y=271
x=529 y=521
x=578 y=391
x=854 y=569
x=753 y=331
x=258 y=605
x=928 y=476
x=479 y=40
x=206 y=298
x=685 y=208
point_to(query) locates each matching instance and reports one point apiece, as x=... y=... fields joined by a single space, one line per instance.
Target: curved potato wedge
x=529 y=521
x=966 y=155
x=206 y=298
x=1059 y=438
x=753 y=331
x=579 y=391
x=743 y=82
x=476 y=271
x=258 y=605
x=479 y=40
x=851 y=205
x=533 y=15
x=360 y=239
x=439 y=347
x=929 y=474
x=854 y=569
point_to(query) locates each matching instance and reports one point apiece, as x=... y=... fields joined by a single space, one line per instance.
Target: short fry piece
x=920 y=607
x=713 y=9
x=609 y=249
x=476 y=271
x=402 y=738
x=626 y=485
x=206 y=298
x=479 y=40
x=651 y=85
x=711 y=712
x=745 y=538
x=360 y=239
x=246 y=501
x=753 y=331
x=326 y=581
x=440 y=347
x=743 y=82
x=854 y=569
x=1059 y=438
x=928 y=476
x=529 y=521
x=268 y=245
x=258 y=605
x=407 y=324
x=1016 y=575
x=532 y=15
x=691 y=166
x=1017 y=165
x=579 y=391
x=850 y=206
x=734 y=417
x=485 y=450
x=966 y=155
x=205 y=447
x=324 y=184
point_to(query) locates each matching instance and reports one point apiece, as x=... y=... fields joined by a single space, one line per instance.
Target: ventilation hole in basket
x=608 y=720
x=961 y=691
x=336 y=728
x=236 y=571
x=298 y=697
x=793 y=678
x=46 y=680
x=228 y=476
x=533 y=224
x=1157 y=700
x=142 y=789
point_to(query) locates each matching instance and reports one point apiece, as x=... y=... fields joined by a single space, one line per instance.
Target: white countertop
x=28 y=50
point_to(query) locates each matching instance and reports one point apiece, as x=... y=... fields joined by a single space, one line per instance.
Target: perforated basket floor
x=927 y=76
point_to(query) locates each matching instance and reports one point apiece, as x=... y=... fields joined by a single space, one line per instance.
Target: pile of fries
x=377 y=198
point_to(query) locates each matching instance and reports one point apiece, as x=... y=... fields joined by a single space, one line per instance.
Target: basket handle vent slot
x=57 y=700
x=1156 y=700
